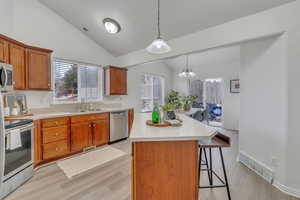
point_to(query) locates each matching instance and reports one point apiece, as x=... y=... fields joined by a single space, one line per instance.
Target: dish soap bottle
x=155 y=114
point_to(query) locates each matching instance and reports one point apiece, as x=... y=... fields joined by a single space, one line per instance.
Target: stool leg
x=211 y=168
x=207 y=167
x=199 y=168
x=225 y=175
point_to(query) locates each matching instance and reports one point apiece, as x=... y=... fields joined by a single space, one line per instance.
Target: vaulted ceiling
x=138 y=18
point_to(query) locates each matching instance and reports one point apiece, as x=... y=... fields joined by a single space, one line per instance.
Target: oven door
x=18 y=157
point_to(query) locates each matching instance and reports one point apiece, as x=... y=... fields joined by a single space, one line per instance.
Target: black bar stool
x=218 y=141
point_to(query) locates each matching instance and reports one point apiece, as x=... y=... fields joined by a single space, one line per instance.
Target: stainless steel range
x=16 y=150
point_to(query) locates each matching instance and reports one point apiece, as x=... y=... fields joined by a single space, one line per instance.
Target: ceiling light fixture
x=187 y=73
x=111 y=25
x=158 y=46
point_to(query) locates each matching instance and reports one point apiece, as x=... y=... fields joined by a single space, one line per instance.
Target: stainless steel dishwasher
x=118 y=126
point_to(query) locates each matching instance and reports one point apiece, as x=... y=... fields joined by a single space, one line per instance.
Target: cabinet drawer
x=53 y=134
x=55 y=122
x=55 y=149
x=84 y=118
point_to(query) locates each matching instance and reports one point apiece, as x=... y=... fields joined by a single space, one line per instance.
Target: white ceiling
x=138 y=18
x=211 y=60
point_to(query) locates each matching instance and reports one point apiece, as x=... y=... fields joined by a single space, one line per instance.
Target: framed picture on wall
x=235 y=86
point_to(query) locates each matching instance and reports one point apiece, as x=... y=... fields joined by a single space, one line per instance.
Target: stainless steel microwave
x=6 y=77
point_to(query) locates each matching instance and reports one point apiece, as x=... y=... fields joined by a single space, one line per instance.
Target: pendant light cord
x=187 y=62
x=158 y=17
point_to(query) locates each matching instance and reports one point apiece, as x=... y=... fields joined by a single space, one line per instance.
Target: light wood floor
x=113 y=182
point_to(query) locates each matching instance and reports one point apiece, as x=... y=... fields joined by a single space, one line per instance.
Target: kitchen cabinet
x=55 y=137
x=17 y=55
x=89 y=130
x=80 y=136
x=130 y=119
x=37 y=143
x=4 y=53
x=59 y=137
x=38 y=69
x=100 y=132
x=115 y=81
x=31 y=65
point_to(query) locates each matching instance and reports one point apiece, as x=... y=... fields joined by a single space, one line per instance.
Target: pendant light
x=187 y=73
x=158 y=46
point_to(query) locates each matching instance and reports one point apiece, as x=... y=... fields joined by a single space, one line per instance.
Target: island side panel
x=165 y=170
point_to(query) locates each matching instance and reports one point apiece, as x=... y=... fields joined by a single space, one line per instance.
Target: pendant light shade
x=158 y=46
x=187 y=72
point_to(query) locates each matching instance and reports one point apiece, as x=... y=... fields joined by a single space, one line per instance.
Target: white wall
x=263 y=121
x=34 y=24
x=226 y=71
x=134 y=81
x=283 y=19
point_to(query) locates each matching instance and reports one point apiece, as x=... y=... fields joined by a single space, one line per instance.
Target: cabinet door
x=39 y=70
x=37 y=143
x=4 y=51
x=17 y=59
x=100 y=132
x=130 y=119
x=80 y=136
x=118 y=81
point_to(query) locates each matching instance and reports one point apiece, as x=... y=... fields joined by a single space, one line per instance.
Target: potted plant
x=168 y=112
x=187 y=101
x=173 y=99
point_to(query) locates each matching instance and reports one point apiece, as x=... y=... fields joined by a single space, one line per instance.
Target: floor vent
x=256 y=166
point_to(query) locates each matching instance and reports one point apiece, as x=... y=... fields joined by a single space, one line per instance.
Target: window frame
x=162 y=77
x=78 y=63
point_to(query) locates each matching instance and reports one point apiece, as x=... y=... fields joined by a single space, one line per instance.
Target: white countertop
x=191 y=129
x=66 y=114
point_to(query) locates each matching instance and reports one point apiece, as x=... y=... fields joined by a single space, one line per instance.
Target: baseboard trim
x=287 y=190
x=283 y=188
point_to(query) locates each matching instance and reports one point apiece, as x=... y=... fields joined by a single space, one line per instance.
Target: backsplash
x=40 y=100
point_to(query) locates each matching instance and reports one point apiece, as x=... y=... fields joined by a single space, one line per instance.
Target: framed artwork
x=235 y=86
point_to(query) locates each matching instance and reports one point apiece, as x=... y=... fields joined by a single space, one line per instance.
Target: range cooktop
x=16 y=123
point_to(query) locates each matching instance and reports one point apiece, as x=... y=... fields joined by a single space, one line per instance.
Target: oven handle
x=22 y=129
x=5 y=77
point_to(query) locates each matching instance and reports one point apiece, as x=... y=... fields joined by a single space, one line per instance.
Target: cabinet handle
x=94 y=125
x=56 y=149
x=56 y=123
x=56 y=134
x=14 y=82
x=90 y=125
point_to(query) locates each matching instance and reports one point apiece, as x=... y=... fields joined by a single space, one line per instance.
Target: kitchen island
x=165 y=160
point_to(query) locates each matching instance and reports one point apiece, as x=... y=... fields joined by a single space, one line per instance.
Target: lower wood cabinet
x=100 y=132
x=55 y=138
x=80 y=136
x=89 y=130
x=55 y=149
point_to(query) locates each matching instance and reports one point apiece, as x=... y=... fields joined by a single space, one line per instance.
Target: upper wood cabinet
x=17 y=56
x=115 y=80
x=38 y=70
x=4 y=55
x=31 y=65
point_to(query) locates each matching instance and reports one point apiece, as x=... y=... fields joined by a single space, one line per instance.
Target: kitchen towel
x=14 y=139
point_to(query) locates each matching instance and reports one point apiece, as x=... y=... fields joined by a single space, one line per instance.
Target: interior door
x=39 y=70
x=100 y=132
x=79 y=136
x=17 y=59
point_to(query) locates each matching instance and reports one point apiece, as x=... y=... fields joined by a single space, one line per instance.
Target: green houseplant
x=174 y=99
x=187 y=101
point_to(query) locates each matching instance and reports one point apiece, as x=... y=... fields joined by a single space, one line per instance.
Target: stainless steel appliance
x=6 y=77
x=118 y=126
x=16 y=152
